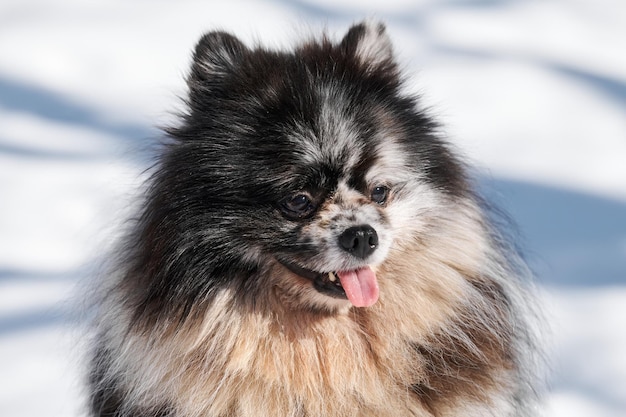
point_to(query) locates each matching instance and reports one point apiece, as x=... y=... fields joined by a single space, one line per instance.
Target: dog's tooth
x=332 y=277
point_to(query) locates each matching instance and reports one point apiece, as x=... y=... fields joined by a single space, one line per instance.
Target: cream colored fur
x=276 y=357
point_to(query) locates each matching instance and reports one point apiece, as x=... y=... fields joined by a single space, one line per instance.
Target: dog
x=309 y=245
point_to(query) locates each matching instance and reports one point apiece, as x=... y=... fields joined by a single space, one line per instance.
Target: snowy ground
x=533 y=91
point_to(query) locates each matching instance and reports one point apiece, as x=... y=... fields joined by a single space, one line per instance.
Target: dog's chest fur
x=387 y=360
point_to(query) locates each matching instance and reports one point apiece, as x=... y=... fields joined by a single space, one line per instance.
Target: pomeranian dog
x=309 y=246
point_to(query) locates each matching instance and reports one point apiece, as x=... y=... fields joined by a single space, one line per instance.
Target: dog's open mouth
x=359 y=286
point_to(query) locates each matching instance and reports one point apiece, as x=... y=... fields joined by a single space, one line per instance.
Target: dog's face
x=312 y=162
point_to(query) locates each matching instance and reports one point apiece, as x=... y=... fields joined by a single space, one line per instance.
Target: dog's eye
x=379 y=194
x=297 y=206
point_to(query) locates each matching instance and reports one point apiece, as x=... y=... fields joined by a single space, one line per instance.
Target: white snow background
x=534 y=92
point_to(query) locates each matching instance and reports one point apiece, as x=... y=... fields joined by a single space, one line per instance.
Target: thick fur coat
x=309 y=246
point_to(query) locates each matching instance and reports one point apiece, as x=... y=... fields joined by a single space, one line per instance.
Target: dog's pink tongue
x=360 y=286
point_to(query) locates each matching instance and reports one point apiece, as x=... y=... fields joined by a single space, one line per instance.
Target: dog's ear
x=369 y=43
x=217 y=53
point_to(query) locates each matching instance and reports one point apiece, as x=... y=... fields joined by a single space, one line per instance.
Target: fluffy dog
x=309 y=246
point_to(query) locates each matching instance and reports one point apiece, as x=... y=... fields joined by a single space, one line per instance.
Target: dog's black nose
x=360 y=241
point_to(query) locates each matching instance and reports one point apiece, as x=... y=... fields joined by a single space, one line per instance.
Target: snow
x=534 y=92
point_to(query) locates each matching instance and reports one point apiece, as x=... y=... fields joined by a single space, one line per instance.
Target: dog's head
x=311 y=164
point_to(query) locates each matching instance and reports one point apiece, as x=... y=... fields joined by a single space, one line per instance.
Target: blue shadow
x=571 y=238
x=19 y=97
